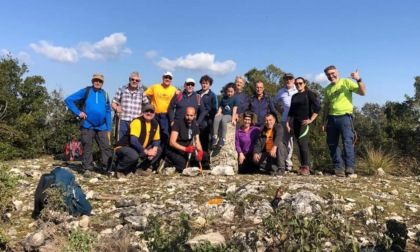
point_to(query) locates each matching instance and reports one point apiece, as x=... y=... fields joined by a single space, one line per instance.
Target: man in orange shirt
x=269 y=149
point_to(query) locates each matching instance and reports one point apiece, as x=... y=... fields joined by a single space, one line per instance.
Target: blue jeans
x=124 y=127
x=341 y=126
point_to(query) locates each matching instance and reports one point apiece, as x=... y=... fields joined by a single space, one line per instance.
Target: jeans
x=341 y=126
x=124 y=127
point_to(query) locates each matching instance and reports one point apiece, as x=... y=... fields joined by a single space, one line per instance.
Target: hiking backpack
x=74 y=199
x=179 y=97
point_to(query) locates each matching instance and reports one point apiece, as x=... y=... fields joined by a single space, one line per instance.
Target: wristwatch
x=359 y=80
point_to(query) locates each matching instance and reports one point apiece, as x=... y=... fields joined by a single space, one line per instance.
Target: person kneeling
x=269 y=149
x=184 y=142
x=142 y=141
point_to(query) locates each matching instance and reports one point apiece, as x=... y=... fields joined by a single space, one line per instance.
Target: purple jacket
x=244 y=142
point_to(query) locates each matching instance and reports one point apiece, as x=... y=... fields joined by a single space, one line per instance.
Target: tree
x=23 y=107
x=270 y=76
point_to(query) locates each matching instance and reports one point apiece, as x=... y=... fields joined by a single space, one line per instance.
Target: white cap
x=188 y=80
x=167 y=73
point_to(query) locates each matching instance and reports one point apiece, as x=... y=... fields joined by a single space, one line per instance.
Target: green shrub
x=173 y=239
x=7 y=189
x=292 y=232
x=375 y=158
x=80 y=241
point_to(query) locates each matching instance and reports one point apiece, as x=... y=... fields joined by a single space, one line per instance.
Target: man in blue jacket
x=96 y=121
x=261 y=104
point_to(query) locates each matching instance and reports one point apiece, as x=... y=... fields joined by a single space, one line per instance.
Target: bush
x=7 y=189
x=80 y=241
x=375 y=158
x=167 y=240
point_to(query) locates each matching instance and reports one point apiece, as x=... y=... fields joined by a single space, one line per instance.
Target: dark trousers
x=248 y=166
x=128 y=159
x=179 y=159
x=205 y=133
x=301 y=133
x=101 y=138
x=276 y=164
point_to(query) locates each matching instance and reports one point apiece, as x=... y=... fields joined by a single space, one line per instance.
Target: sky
x=66 y=42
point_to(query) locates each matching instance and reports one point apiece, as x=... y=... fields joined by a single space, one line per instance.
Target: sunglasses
x=135 y=80
x=98 y=80
x=149 y=111
x=299 y=83
x=167 y=77
x=191 y=84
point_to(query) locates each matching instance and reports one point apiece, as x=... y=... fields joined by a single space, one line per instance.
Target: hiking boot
x=119 y=175
x=340 y=173
x=349 y=170
x=277 y=173
x=143 y=173
x=161 y=166
x=222 y=141
x=304 y=171
x=214 y=140
x=87 y=173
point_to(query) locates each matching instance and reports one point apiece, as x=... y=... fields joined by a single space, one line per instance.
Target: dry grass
x=375 y=158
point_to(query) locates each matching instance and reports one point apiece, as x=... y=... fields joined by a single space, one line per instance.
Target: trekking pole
x=117 y=122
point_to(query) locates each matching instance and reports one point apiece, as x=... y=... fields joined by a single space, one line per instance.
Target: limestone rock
x=214 y=239
x=191 y=171
x=222 y=171
x=226 y=155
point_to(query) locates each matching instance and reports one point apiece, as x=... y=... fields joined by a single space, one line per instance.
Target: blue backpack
x=74 y=198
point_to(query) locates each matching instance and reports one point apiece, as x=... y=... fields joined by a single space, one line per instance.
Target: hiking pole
x=117 y=122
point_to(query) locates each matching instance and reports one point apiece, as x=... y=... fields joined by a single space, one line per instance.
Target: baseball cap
x=188 y=80
x=98 y=76
x=288 y=75
x=167 y=73
x=148 y=107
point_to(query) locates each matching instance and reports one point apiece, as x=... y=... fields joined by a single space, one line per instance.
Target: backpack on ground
x=74 y=199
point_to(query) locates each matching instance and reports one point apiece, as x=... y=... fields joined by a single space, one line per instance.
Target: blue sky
x=67 y=41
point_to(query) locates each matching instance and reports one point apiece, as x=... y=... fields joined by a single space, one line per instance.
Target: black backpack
x=74 y=198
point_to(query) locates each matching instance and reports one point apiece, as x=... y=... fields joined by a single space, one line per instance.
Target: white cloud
x=108 y=48
x=321 y=78
x=21 y=56
x=24 y=57
x=202 y=62
x=56 y=53
x=151 y=54
x=4 y=52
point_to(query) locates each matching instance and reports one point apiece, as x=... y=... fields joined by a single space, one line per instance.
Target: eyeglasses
x=299 y=83
x=191 y=84
x=149 y=111
x=167 y=77
x=98 y=80
x=135 y=80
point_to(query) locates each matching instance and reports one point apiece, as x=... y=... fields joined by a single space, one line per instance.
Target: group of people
x=163 y=126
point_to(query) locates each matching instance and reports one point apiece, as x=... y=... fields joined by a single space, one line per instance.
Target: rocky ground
x=220 y=208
